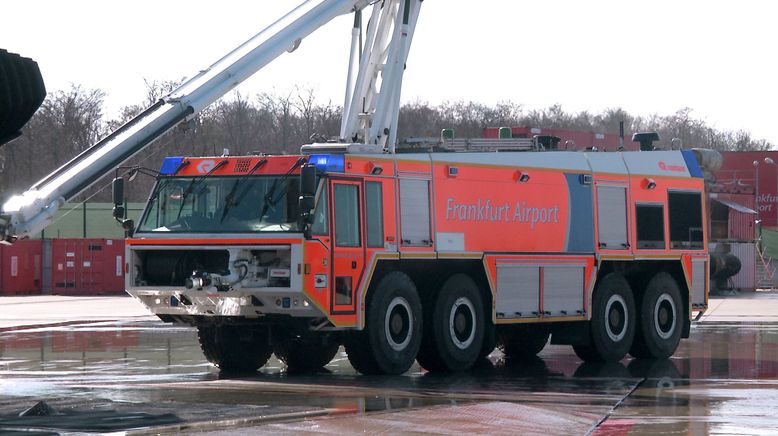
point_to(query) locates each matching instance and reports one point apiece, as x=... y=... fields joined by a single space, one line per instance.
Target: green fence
x=89 y=220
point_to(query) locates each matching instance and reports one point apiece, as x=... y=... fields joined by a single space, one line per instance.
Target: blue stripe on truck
x=691 y=163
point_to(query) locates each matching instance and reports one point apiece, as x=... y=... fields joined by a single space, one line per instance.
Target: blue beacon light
x=170 y=165
x=329 y=162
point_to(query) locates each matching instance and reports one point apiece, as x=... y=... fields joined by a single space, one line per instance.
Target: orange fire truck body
x=538 y=230
x=431 y=257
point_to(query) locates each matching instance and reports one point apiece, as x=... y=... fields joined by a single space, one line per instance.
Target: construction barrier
x=20 y=268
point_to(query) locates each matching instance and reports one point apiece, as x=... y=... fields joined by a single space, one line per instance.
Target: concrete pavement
x=749 y=308
x=35 y=310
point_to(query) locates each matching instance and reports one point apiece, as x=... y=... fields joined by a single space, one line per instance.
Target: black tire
x=392 y=335
x=612 y=327
x=305 y=353
x=428 y=356
x=660 y=324
x=523 y=342
x=235 y=349
x=457 y=327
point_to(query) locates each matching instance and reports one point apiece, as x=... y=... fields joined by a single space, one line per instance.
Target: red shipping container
x=113 y=270
x=738 y=175
x=87 y=266
x=20 y=267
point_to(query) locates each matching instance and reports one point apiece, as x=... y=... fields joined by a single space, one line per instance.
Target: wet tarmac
x=149 y=377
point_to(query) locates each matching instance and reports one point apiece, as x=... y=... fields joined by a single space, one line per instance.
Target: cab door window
x=346 y=215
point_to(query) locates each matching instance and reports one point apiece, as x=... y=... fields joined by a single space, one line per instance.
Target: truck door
x=348 y=251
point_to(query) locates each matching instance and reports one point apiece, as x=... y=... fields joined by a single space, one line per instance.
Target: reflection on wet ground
x=140 y=375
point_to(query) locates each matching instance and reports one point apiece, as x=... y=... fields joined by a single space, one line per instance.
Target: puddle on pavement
x=101 y=365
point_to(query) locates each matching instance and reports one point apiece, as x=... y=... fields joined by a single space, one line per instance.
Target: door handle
x=353 y=264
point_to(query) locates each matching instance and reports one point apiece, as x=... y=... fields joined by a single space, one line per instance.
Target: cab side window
x=650 y=226
x=374 y=214
x=685 y=218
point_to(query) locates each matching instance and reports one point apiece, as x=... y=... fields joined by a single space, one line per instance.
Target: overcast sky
x=657 y=56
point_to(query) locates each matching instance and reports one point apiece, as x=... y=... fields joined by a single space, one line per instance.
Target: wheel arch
x=428 y=275
x=639 y=272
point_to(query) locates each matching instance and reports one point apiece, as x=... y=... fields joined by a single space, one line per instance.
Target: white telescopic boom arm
x=26 y=214
x=371 y=113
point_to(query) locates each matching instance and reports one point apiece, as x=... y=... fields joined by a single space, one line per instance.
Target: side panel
x=563 y=287
x=699 y=285
x=415 y=213
x=491 y=209
x=540 y=288
x=316 y=272
x=580 y=230
x=518 y=291
x=612 y=217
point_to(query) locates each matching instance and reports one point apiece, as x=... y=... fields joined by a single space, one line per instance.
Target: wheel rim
x=664 y=316
x=398 y=324
x=616 y=318
x=461 y=323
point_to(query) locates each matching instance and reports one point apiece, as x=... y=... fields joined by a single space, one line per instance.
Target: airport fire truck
x=434 y=254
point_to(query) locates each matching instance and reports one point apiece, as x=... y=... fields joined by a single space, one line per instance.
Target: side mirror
x=308 y=180
x=307 y=203
x=118 y=197
x=118 y=212
x=129 y=227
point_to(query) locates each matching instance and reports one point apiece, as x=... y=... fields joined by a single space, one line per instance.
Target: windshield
x=223 y=205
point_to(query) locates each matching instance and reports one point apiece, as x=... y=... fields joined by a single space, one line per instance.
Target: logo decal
x=675 y=168
x=486 y=211
x=205 y=166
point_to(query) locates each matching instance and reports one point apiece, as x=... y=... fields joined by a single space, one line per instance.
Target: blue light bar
x=170 y=165
x=329 y=163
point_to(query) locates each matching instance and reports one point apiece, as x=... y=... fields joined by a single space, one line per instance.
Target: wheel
x=612 y=326
x=660 y=324
x=305 y=353
x=392 y=335
x=455 y=335
x=235 y=348
x=523 y=342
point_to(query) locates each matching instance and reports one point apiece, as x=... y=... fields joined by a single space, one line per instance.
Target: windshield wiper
x=196 y=181
x=269 y=200
x=230 y=200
